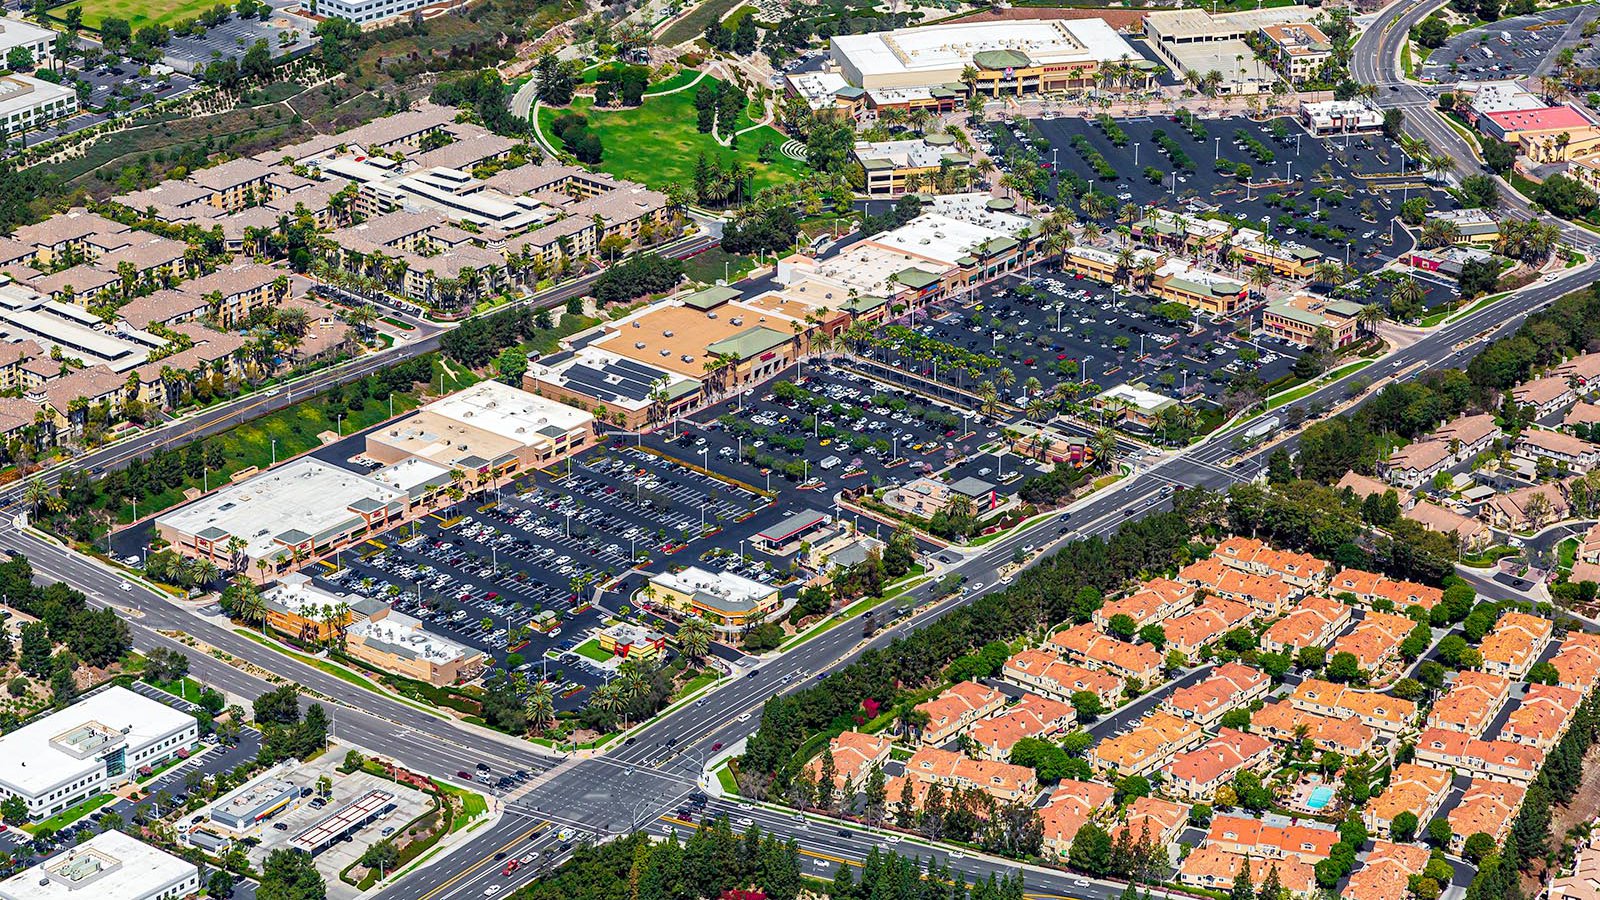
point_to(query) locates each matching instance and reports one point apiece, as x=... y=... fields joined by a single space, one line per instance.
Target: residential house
x=957 y=709
x=1386 y=872
x=1149 y=744
x=1205 y=623
x=1545 y=395
x=1281 y=721
x=1153 y=820
x=1231 y=685
x=1542 y=717
x=1416 y=789
x=1268 y=595
x=1045 y=673
x=1364 y=486
x=1505 y=761
x=1214 y=868
x=1072 y=805
x=1299 y=570
x=1469 y=435
x=1313 y=622
x=1091 y=647
x=1376 y=639
x=855 y=754
x=1004 y=782
x=1471 y=703
x=1416 y=463
x=1563 y=450
x=1472 y=534
x=1577 y=662
x=1387 y=715
x=1197 y=774
x=1254 y=837
x=1370 y=588
x=1582 y=414
x=1486 y=807
x=1515 y=644
x=233 y=292
x=1518 y=510
x=1033 y=717
x=1155 y=600
x=1582 y=369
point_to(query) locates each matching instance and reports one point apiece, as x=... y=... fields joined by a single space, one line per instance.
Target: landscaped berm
x=657 y=144
x=138 y=13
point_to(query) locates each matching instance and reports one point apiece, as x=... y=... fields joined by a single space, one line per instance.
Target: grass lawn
x=591 y=649
x=321 y=665
x=472 y=805
x=549 y=340
x=71 y=814
x=694 y=24
x=1567 y=553
x=139 y=13
x=186 y=688
x=730 y=785
x=683 y=77
x=656 y=143
x=706 y=267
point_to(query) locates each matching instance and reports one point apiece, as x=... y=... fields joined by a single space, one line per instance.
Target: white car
x=126 y=586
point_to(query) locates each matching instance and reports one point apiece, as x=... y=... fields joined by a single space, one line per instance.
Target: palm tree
x=1369 y=317
x=694 y=638
x=40 y=498
x=1104 y=445
x=248 y=606
x=541 y=707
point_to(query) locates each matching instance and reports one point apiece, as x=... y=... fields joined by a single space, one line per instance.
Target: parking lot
x=232 y=38
x=520 y=571
x=1308 y=190
x=1071 y=333
x=1512 y=48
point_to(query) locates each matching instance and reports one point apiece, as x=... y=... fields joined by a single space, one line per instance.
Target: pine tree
x=826 y=778
x=1272 y=888
x=1242 y=889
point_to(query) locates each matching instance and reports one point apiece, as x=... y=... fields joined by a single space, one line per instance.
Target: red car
x=511 y=866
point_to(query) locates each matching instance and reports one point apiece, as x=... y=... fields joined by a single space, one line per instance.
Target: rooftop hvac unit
x=638 y=345
x=736 y=321
x=711 y=315
x=635 y=324
x=667 y=333
x=687 y=358
x=665 y=352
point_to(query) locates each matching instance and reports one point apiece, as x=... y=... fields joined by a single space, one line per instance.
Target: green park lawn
x=656 y=143
x=138 y=13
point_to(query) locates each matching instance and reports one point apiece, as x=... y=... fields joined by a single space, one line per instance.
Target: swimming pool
x=1319 y=798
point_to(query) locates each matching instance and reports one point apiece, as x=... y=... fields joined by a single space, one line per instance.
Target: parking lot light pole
x=1135 y=153
x=1216 y=149
x=274 y=451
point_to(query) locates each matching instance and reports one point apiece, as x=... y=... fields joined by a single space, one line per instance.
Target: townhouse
x=1583 y=413
x=1469 y=435
x=1472 y=534
x=1254 y=837
x=232 y=293
x=1214 y=868
x=1515 y=644
x=1517 y=510
x=1376 y=639
x=1072 y=805
x=1231 y=685
x=65 y=236
x=1471 y=703
x=1416 y=463
x=1563 y=450
x=1364 y=486
x=1033 y=717
x=1542 y=717
x=1196 y=774
x=1282 y=722
x=1149 y=744
x=1370 y=588
x=957 y=709
x=1299 y=570
x=1313 y=622
x=1045 y=673
x=1091 y=647
x=1268 y=595
x=855 y=754
x=1386 y=872
x=1156 y=600
x=1417 y=789
x=67 y=399
x=1206 y=623
x=1504 y=761
x=1577 y=662
x=1582 y=369
x=1486 y=807
x=1387 y=715
x=1152 y=820
x=1545 y=395
x=1004 y=782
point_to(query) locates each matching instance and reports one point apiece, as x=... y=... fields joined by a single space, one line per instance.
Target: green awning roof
x=917 y=278
x=1001 y=59
x=750 y=342
x=710 y=298
x=859 y=305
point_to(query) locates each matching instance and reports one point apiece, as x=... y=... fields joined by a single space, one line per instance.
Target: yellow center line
x=478 y=866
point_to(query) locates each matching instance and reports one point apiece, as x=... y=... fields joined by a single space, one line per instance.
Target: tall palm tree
x=40 y=498
x=541 y=707
x=1104 y=445
x=694 y=638
x=1369 y=317
x=1407 y=292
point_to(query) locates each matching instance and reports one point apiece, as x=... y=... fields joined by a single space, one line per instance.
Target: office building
x=27 y=102
x=111 y=865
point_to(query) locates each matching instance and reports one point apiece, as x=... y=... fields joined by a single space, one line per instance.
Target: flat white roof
x=412 y=473
x=937 y=48
x=31 y=764
x=306 y=495
x=509 y=412
x=110 y=865
x=17 y=33
x=1145 y=400
x=23 y=92
x=726 y=585
x=817 y=88
x=940 y=237
x=404 y=636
